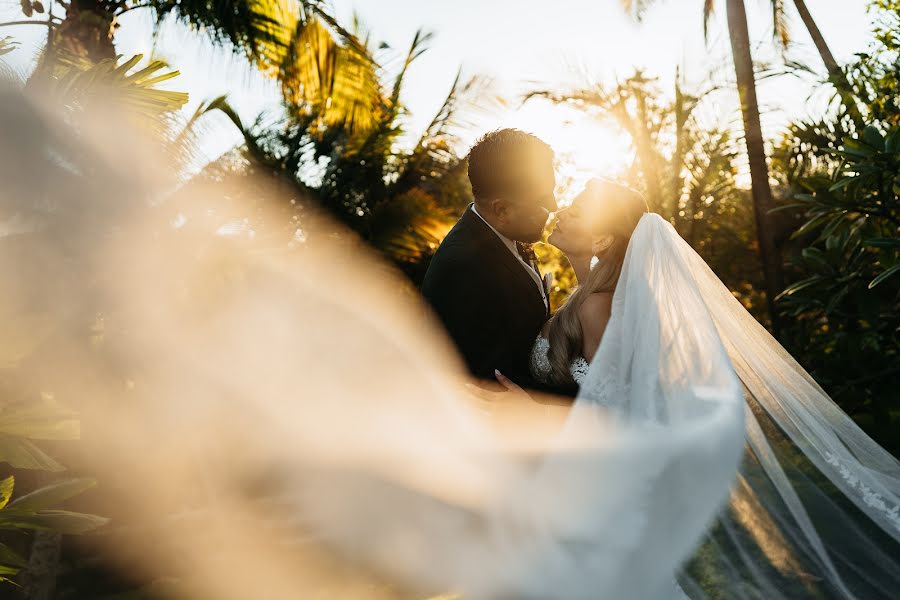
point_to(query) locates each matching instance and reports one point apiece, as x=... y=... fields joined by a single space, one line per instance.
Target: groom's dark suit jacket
x=489 y=304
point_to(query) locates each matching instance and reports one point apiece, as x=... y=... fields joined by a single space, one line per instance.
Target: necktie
x=526 y=251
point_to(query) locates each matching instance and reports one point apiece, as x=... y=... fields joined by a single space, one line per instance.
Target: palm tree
x=763 y=201
x=297 y=41
x=401 y=199
x=835 y=73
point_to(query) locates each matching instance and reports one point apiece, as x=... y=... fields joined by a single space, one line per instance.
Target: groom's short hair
x=495 y=161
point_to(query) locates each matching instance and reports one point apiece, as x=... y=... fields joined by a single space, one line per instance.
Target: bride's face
x=573 y=230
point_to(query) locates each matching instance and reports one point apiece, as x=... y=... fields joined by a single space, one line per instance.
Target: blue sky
x=520 y=45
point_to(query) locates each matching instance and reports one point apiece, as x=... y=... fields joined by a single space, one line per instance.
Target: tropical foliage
x=24 y=424
x=846 y=304
x=341 y=146
x=316 y=61
x=401 y=198
x=844 y=301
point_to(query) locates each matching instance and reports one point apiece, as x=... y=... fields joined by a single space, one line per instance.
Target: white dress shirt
x=512 y=248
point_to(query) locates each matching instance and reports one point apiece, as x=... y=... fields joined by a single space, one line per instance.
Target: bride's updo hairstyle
x=613 y=212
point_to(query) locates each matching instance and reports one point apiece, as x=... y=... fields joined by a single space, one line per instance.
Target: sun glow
x=585 y=146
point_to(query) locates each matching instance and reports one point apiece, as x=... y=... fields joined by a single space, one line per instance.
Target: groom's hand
x=514 y=413
x=511 y=393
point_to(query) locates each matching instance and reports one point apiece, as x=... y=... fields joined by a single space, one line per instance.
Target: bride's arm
x=594 y=314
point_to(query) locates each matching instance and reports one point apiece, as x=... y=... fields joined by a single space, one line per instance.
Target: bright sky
x=521 y=45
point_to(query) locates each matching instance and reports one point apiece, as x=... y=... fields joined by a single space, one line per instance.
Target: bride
x=814 y=513
x=563 y=352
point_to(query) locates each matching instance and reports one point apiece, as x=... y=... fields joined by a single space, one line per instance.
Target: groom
x=483 y=281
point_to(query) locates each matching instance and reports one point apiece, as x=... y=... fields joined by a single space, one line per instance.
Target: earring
x=602 y=244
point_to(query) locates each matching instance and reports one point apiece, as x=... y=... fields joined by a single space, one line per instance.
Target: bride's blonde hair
x=621 y=208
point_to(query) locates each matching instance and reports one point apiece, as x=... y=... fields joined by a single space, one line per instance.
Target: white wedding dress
x=540 y=363
x=815 y=513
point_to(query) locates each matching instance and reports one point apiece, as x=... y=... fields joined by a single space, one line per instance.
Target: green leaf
x=832 y=241
x=800 y=285
x=62 y=521
x=52 y=495
x=836 y=299
x=892 y=142
x=842 y=183
x=810 y=225
x=873 y=137
x=20 y=453
x=836 y=221
x=814 y=254
x=892 y=271
x=788 y=207
x=6 y=490
x=855 y=148
x=9 y=558
x=7 y=570
x=883 y=242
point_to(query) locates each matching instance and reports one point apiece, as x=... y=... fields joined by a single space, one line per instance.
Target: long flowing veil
x=814 y=513
x=608 y=507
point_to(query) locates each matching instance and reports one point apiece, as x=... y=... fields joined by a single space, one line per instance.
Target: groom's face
x=524 y=210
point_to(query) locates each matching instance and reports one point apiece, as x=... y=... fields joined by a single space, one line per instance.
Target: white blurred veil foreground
x=275 y=422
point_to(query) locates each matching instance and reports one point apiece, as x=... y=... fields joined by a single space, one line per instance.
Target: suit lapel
x=501 y=253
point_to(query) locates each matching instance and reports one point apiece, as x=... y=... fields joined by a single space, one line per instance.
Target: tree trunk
x=643 y=144
x=835 y=73
x=87 y=31
x=816 y=35
x=756 y=154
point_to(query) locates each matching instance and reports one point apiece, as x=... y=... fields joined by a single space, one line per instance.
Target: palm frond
x=433 y=154
x=78 y=82
x=7 y=45
x=418 y=47
x=348 y=38
x=254 y=28
x=340 y=85
x=222 y=105
x=409 y=227
x=184 y=146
